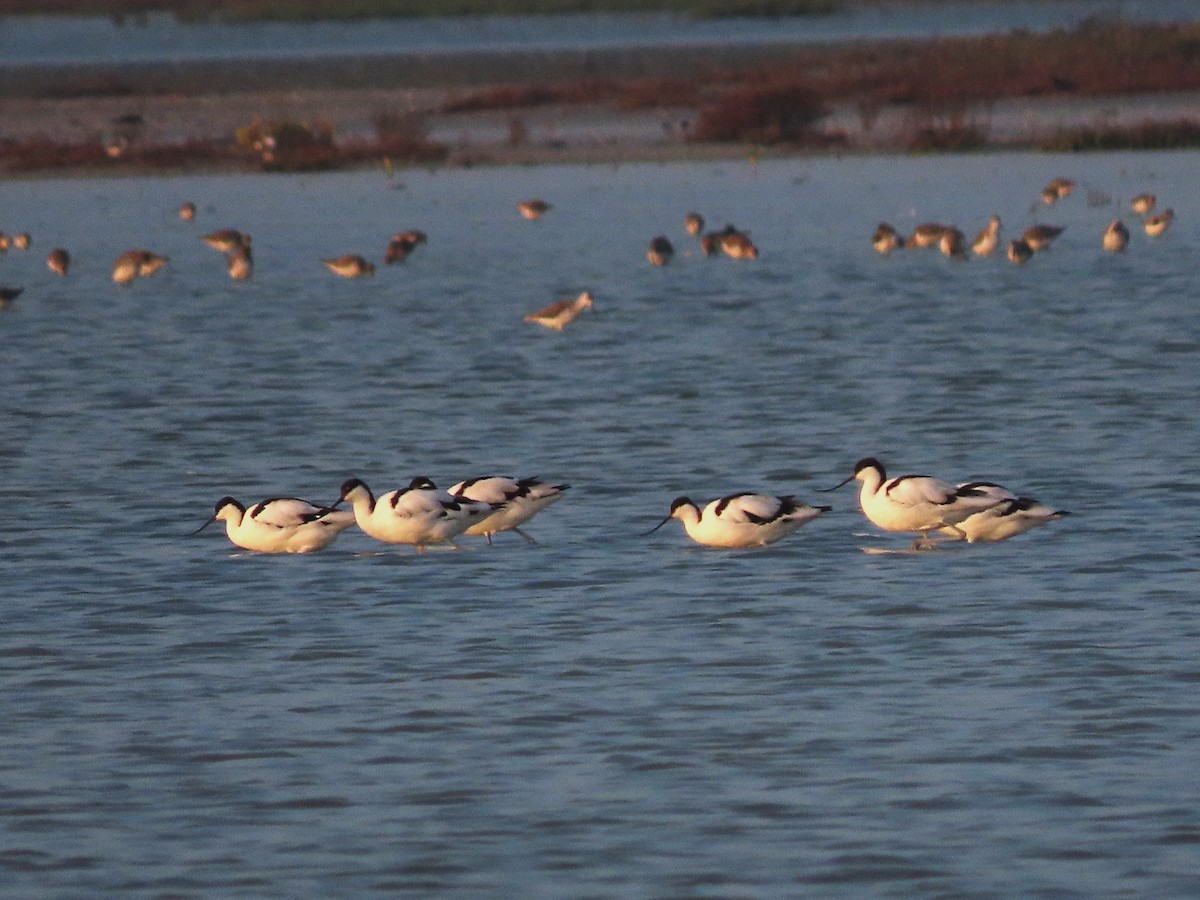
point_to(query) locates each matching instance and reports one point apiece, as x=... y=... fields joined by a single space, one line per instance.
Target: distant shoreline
x=448 y=69
x=610 y=104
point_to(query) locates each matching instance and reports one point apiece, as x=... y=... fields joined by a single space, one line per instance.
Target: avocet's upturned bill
x=1013 y=515
x=741 y=520
x=279 y=525
x=519 y=499
x=914 y=503
x=419 y=514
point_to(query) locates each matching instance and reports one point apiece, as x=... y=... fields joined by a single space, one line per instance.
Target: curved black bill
x=658 y=526
x=202 y=527
x=835 y=487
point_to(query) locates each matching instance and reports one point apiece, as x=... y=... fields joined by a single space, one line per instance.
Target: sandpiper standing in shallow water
x=1143 y=203
x=953 y=243
x=885 y=239
x=1019 y=252
x=533 y=209
x=59 y=261
x=136 y=263
x=1040 y=237
x=562 y=313
x=1156 y=225
x=241 y=263
x=227 y=240
x=925 y=235
x=1057 y=189
x=402 y=244
x=737 y=244
x=349 y=265
x=8 y=295
x=1116 y=237
x=661 y=251
x=986 y=241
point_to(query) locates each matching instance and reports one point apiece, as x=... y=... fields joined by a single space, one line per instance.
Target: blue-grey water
x=62 y=39
x=602 y=714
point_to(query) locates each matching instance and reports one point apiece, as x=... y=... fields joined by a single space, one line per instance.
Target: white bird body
x=1013 y=515
x=914 y=503
x=280 y=525
x=741 y=520
x=519 y=500
x=419 y=514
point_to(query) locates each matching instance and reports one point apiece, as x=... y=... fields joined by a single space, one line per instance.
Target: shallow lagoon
x=601 y=713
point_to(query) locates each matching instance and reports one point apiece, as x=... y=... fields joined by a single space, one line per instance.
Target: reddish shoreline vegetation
x=934 y=96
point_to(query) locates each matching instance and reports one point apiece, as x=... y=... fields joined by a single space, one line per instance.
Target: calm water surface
x=58 y=39
x=601 y=714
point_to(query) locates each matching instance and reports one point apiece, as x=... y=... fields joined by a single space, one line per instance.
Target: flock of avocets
x=953 y=242
x=422 y=515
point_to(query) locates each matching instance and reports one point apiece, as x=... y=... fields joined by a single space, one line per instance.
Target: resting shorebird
x=349 y=265
x=241 y=263
x=1013 y=515
x=402 y=244
x=953 y=243
x=741 y=520
x=559 y=315
x=914 y=503
x=59 y=261
x=279 y=525
x=885 y=239
x=1057 y=189
x=533 y=209
x=661 y=251
x=1019 y=252
x=1143 y=203
x=1040 y=237
x=227 y=240
x=136 y=264
x=986 y=241
x=519 y=499
x=1156 y=225
x=8 y=295
x=187 y=211
x=694 y=223
x=737 y=244
x=925 y=235
x=1116 y=237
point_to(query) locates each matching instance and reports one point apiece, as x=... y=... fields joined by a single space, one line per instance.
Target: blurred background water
x=602 y=713
x=161 y=37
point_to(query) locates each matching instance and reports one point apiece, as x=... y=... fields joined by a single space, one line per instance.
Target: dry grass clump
x=655 y=93
x=36 y=153
x=1095 y=59
x=770 y=114
x=1149 y=135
